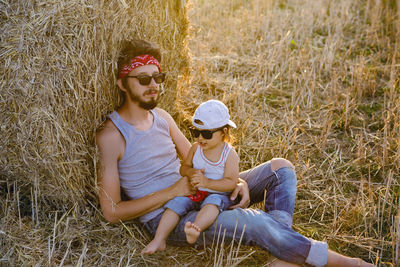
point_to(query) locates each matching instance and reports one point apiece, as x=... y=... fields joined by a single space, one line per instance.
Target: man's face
x=146 y=96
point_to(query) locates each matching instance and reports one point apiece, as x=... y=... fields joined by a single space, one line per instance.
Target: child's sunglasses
x=146 y=79
x=207 y=134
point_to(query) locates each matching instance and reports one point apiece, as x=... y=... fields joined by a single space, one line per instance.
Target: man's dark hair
x=134 y=48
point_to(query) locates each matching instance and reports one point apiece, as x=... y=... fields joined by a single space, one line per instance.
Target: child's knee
x=211 y=206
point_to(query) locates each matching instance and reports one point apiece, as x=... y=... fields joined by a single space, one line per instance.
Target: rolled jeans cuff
x=318 y=255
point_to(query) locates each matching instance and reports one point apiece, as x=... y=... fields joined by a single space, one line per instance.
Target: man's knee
x=277 y=163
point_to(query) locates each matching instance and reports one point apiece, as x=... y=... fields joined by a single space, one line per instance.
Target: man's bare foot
x=361 y=263
x=337 y=260
x=153 y=247
x=357 y=262
x=192 y=232
x=354 y=262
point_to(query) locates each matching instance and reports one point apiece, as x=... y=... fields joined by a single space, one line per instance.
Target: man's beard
x=143 y=104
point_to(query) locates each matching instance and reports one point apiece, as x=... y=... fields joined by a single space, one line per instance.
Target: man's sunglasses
x=146 y=79
x=207 y=134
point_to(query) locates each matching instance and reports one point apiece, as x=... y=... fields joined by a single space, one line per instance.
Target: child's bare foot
x=192 y=232
x=153 y=247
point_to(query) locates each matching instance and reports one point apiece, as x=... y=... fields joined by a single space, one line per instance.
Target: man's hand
x=198 y=179
x=183 y=187
x=191 y=172
x=243 y=191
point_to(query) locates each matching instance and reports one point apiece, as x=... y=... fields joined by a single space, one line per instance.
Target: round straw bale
x=58 y=83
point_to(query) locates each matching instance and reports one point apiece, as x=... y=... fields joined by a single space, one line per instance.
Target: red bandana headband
x=138 y=62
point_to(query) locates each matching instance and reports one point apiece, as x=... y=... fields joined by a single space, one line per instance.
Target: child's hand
x=198 y=179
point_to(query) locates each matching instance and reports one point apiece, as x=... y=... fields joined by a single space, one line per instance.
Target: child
x=216 y=173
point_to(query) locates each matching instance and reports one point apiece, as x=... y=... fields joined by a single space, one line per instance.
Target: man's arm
x=111 y=146
x=242 y=190
x=179 y=139
x=187 y=165
x=182 y=144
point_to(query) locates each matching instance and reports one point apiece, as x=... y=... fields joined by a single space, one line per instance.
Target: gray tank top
x=150 y=162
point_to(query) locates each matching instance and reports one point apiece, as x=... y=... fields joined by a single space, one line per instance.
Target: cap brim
x=232 y=124
x=198 y=126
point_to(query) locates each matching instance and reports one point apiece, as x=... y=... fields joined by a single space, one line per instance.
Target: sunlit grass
x=315 y=82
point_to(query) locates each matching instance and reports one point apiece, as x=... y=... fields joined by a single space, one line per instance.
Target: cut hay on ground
x=316 y=82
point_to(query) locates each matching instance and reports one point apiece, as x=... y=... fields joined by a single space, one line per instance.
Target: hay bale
x=58 y=82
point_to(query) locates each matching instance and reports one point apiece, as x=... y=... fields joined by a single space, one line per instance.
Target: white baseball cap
x=212 y=114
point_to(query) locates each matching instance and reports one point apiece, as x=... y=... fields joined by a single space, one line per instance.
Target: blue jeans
x=182 y=205
x=269 y=229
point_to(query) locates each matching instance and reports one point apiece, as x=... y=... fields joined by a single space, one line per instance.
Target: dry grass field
x=316 y=82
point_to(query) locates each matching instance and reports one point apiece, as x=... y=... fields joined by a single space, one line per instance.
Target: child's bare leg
x=204 y=219
x=167 y=223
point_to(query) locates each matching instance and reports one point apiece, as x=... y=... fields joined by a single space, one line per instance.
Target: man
x=139 y=146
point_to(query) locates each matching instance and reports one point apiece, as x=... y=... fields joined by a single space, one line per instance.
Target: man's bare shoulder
x=163 y=114
x=108 y=132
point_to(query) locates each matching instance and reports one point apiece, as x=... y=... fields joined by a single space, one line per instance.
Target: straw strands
x=316 y=82
x=57 y=84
